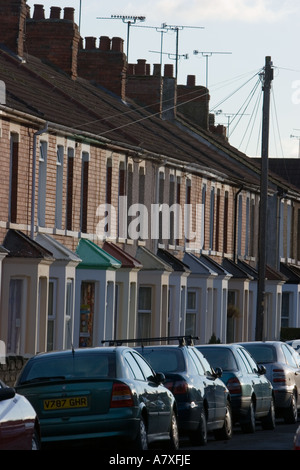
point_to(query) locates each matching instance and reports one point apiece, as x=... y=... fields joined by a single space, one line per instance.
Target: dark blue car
x=252 y=395
x=202 y=399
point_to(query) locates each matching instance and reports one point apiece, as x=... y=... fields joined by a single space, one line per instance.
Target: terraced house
x=124 y=211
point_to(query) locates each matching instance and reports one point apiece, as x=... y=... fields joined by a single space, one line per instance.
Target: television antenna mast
x=164 y=29
x=207 y=55
x=130 y=20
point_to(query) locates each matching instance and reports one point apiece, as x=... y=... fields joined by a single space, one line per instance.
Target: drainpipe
x=35 y=136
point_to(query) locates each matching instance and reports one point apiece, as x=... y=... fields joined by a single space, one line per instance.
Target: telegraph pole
x=267 y=77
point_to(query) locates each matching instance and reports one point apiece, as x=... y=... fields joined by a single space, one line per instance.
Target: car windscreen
x=69 y=366
x=262 y=353
x=163 y=359
x=220 y=357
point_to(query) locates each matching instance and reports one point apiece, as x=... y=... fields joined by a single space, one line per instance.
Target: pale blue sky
x=247 y=30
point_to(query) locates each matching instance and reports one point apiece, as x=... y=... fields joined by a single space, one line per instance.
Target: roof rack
x=183 y=340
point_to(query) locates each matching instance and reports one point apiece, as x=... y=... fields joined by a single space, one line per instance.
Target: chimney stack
x=193 y=102
x=105 y=65
x=13 y=15
x=55 y=40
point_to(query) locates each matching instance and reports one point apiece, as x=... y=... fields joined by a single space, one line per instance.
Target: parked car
x=202 y=399
x=295 y=343
x=19 y=425
x=297 y=439
x=282 y=364
x=251 y=392
x=105 y=392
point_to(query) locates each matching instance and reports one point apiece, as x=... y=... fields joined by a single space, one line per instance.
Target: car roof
x=80 y=351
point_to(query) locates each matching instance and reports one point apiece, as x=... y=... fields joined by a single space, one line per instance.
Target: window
x=218 y=211
x=13 y=187
x=191 y=310
x=225 y=228
x=285 y=311
x=134 y=367
x=144 y=312
x=70 y=183
x=87 y=305
x=42 y=183
x=69 y=314
x=16 y=303
x=122 y=201
x=59 y=186
x=212 y=218
x=84 y=191
x=51 y=314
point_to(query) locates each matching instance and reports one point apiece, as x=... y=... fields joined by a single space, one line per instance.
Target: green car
x=105 y=392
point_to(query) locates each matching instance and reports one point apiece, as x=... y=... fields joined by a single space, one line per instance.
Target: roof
x=176 y=264
x=35 y=88
x=94 y=257
x=20 y=245
x=125 y=259
x=59 y=251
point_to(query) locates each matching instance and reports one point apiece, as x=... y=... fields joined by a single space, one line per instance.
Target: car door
x=255 y=378
x=294 y=364
x=208 y=382
x=163 y=400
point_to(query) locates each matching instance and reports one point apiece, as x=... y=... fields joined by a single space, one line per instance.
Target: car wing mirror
x=160 y=378
x=6 y=393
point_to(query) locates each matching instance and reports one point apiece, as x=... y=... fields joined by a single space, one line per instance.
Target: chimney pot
x=90 y=43
x=39 y=12
x=157 y=70
x=140 y=68
x=69 y=14
x=117 y=44
x=191 y=80
x=55 y=13
x=104 y=43
x=168 y=70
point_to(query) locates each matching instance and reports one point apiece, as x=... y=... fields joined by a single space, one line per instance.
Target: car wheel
x=174 y=436
x=225 y=433
x=199 y=437
x=141 y=440
x=248 y=426
x=291 y=414
x=35 y=443
x=268 y=422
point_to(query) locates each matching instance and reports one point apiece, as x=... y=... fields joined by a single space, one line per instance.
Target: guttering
x=35 y=136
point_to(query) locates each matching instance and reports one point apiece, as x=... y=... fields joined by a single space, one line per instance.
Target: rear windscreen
x=164 y=360
x=70 y=366
x=220 y=357
x=262 y=353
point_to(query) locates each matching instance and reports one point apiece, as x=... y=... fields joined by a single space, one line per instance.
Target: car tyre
x=248 y=426
x=291 y=414
x=35 y=443
x=174 y=435
x=225 y=433
x=141 y=440
x=199 y=437
x=269 y=421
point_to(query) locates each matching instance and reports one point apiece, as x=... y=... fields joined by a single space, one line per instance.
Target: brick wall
x=10 y=371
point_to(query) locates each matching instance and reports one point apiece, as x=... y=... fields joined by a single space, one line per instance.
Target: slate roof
x=35 y=88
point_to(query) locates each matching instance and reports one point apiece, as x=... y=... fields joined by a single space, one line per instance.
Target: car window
x=195 y=365
x=290 y=360
x=68 y=366
x=205 y=366
x=249 y=362
x=262 y=353
x=134 y=367
x=164 y=359
x=147 y=371
x=220 y=357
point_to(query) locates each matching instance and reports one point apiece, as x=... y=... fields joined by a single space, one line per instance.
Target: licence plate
x=65 y=403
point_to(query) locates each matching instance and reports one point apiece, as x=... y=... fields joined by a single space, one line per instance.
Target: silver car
x=282 y=365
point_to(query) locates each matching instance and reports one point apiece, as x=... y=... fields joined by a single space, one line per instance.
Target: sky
x=224 y=43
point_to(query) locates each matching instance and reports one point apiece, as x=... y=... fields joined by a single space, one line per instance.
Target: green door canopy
x=94 y=257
